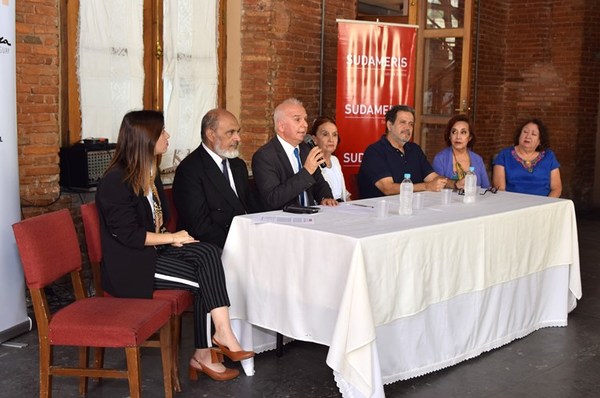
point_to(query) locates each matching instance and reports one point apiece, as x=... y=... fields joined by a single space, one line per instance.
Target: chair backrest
x=48 y=247
x=91 y=227
x=172 y=224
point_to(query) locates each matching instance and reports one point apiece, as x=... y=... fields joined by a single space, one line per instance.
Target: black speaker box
x=82 y=165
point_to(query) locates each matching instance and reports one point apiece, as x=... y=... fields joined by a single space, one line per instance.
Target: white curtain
x=190 y=73
x=110 y=64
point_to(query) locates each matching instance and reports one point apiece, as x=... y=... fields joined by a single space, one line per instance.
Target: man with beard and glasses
x=286 y=170
x=385 y=161
x=211 y=184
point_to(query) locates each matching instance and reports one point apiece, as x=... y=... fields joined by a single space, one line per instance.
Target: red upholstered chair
x=49 y=250
x=172 y=224
x=180 y=300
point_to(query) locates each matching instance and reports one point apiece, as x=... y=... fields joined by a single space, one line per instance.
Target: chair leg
x=83 y=363
x=45 y=377
x=176 y=338
x=98 y=357
x=166 y=353
x=98 y=360
x=133 y=371
x=279 y=348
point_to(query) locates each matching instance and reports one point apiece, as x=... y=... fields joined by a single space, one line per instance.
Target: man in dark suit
x=211 y=183
x=286 y=170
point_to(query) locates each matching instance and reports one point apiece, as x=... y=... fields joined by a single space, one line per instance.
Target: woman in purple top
x=529 y=166
x=454 y=161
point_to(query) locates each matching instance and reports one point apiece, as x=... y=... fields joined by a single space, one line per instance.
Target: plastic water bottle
x=406 y=196
x=470 y=186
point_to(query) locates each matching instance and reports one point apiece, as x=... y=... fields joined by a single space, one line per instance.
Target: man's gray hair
x=209 y=121
x=278 y=113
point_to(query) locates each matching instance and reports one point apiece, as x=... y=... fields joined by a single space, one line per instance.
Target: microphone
x=308 y=140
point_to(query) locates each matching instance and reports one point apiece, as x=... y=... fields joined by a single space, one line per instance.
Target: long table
x=402 y=296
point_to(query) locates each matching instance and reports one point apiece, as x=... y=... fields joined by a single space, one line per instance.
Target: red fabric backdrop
x=376 y=70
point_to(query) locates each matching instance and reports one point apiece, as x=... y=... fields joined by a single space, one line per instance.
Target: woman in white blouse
x=325 y=135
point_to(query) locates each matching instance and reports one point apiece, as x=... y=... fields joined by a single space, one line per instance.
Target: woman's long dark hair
x=139 y=132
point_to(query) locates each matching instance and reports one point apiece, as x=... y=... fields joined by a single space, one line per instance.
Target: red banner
x=375 y=71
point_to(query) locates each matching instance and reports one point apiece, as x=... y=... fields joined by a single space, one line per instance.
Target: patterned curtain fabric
x=190 y=73
x=110 y=64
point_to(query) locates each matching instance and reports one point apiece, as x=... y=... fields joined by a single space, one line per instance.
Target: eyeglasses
x=461 y=191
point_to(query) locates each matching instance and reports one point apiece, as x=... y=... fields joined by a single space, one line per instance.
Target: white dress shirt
x=289 y=151
x=218 y=160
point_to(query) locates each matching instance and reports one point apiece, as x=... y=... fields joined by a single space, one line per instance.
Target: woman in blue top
x=454 y=161
x=528 y=166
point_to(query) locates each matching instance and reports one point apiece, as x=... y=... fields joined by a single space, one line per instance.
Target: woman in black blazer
x=138 y=255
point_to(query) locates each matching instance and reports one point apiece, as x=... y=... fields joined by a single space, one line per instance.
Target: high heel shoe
x=196 y=366
x=233 y=355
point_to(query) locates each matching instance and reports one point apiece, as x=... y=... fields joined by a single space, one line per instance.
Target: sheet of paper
x=352 y=208
x=280 y=219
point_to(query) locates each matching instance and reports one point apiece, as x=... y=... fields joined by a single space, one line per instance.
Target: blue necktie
x=297 y=155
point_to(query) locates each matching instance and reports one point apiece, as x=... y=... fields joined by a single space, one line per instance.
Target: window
x=142 y=54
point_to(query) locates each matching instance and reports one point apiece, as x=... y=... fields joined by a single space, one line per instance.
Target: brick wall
x=37 y=58
x=536 y=59
x=488 y=91
x=281 y=47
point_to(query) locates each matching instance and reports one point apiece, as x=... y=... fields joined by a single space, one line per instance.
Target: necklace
x=527 y=158
x=158 y=212
x=460 y=170
x=528 y=161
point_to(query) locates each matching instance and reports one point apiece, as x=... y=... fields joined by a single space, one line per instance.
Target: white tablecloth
x=364 y=286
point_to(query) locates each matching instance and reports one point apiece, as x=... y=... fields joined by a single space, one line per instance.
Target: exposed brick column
x=37 y=46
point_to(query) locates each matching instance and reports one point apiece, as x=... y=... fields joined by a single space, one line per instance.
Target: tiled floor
x=552 y=362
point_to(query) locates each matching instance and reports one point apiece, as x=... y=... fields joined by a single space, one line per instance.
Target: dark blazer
x=125 y=217
x=205 y=202
x=276 y=182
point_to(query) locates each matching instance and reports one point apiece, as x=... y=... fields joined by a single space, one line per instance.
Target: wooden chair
x=49 y=250
x=172 y=224
x=179 y=300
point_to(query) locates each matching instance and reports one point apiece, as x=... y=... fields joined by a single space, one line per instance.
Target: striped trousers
x=195 y=267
